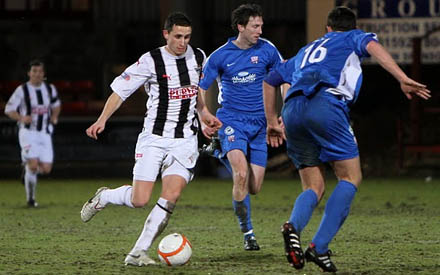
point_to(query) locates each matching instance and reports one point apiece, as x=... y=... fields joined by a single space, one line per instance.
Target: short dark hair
x=35 y=62
x=341 y=19
x=240 y=16
x=178 y=19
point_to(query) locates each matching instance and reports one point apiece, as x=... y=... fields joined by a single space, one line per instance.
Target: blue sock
x=336 y=210
x=242 y=210
x=303 y=209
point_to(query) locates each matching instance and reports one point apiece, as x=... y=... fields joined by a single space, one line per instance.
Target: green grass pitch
x=393 y=228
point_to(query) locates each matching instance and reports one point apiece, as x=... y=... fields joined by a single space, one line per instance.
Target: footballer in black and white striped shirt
x=35 y=106
x=167 y=144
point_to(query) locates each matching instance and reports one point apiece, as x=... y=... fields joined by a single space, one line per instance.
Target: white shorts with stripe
x=35 y=145
x=169 y=156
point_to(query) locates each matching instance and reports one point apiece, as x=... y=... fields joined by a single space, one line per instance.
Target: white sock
x=118 y=196
x=30 y=183
x=155 y=224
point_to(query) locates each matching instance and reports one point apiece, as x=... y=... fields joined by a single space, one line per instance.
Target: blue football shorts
x=245 y=132
x=318 y=130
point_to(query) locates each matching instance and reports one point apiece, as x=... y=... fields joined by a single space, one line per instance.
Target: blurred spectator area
x=418 y=134
x=85 y=44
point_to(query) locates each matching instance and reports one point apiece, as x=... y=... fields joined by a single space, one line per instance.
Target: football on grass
x=174 y=250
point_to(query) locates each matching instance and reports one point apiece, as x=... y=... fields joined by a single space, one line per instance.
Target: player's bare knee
x=255 y=184
x=241 y=186
x=33 y=167
x=45 y=170
x=139 y=203
x=254 y=189
x=353 y=179
x=240 y=177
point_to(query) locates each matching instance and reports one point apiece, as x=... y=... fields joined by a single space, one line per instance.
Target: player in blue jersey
x=325 y=78
x=240 y=66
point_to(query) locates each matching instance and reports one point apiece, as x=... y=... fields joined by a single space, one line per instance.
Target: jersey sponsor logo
x=40 y=110
x=166 y=76
x=138 y=155
x=244 y=77
x=182 y=92
x=254 y=59
x=125 y=76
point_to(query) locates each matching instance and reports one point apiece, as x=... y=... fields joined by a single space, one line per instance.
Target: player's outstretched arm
x=275 y=132
x=113 y=103
x=408 y=85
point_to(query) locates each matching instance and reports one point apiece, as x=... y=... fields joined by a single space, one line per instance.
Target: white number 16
x=316 y=55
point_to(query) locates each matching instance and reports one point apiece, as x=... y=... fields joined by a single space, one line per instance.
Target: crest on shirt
x=229 y=131
x=125 y=76
x=254 y=59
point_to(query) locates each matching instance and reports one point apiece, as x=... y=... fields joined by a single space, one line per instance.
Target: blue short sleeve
x=274 y=78
x=361 y=40
x=210 y=72
x=282 y=73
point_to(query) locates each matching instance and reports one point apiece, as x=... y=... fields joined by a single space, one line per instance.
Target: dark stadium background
x=86 y=43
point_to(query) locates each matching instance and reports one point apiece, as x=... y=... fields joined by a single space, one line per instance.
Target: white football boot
x=139 y=258
x=92 y=206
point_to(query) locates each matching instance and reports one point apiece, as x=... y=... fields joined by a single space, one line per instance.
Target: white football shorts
x=35 y=145
x=169 y=156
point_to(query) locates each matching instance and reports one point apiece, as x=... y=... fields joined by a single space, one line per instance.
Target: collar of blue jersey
x=235 y=46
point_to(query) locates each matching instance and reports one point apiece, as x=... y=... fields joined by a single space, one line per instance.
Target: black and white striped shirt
x=171 y=83
x=36 y=101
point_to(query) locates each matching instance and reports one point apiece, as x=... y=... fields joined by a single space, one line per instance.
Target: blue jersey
x=332 y=62
x=240 y=74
